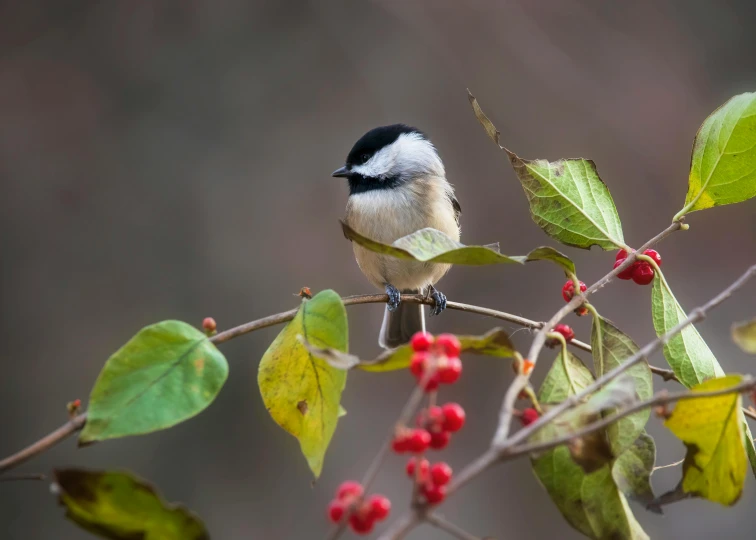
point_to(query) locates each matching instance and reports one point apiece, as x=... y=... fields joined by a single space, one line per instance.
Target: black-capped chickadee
x=397 y=185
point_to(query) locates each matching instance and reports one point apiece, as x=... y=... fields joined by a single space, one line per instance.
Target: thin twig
x=662 y=398
x=666 y=374
x=401 y=527
x=286 y=316
x=448 y=526
x=496 y=453
x=45 y=443
x=507 y=407
x=696 y=315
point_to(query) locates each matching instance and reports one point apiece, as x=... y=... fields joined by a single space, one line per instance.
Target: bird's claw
x=439 y=302
x=394 y=297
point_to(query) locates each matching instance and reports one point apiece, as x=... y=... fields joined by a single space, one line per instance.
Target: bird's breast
x=386 y=215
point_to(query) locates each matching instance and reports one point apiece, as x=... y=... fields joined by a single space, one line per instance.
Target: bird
x=397 y=185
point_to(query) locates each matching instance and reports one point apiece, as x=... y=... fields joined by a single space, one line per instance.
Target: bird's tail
x=400 y=325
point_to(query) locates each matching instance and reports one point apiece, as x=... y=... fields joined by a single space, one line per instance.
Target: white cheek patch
x=409 y=156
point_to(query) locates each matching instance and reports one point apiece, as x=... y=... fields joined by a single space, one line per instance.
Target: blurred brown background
x=172 y=160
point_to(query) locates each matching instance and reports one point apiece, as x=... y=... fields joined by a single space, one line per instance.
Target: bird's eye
x=364 y=158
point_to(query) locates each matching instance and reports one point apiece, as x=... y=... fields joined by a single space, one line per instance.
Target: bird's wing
x=456 y=206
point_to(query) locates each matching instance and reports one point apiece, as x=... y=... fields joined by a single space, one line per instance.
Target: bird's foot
x=439 y=301
x=394 y=297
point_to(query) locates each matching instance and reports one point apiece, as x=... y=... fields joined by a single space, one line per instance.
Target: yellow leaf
x=302 y=392
x=744 y=335
x=715 y=465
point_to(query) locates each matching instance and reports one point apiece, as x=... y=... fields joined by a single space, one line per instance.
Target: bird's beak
x=341 y=172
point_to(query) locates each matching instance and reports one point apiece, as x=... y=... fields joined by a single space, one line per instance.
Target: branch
x=507 y=407
x=499 y=452
x=77 y=423
x=45 y=443
x=448 y=526
x=401 y=527
x=662 y=398
x=696 y=315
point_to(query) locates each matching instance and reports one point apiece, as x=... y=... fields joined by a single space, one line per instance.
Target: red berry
x=643 y=274
x=449 y=344
x=400 y=444
x=454 y=417
x=417 y=365
x=450 y=372
x=335 y=510
x=434 y=493
x=440 y=440
x=654 y=255
x=424 y=468
x=349 y=488
x=568 y=291
x=627 y=273
x=621 y=255
x=379 y=506
x=208 y=324
x=432 y=419
x=566 y=331
x=432 y=382
x=361 y=524
x=418 y=441
x=441 y=473
x=529 y=416
x=421 y=341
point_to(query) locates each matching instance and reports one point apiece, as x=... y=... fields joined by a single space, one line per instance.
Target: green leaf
x=496 y=342
x=121 y=506
x=715 y=464
x=744 y=334
x=546 y=253
x=723 y=163
x=632 y=469
x=302 y=392
x=430 y=245
x=611 y=347
x=164 y=375
x=570 y=202
x=591 y=503
x=568 y=199
x=687 y=353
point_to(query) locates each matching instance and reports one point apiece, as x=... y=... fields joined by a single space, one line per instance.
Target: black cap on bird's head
x=387 y=156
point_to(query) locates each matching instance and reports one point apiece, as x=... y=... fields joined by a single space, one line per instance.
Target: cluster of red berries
x=566 y=332
x=363 y=513
x=640 y=272
x=434 y=361
x=432 y=479
x=436 y=357
x=435 y=426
